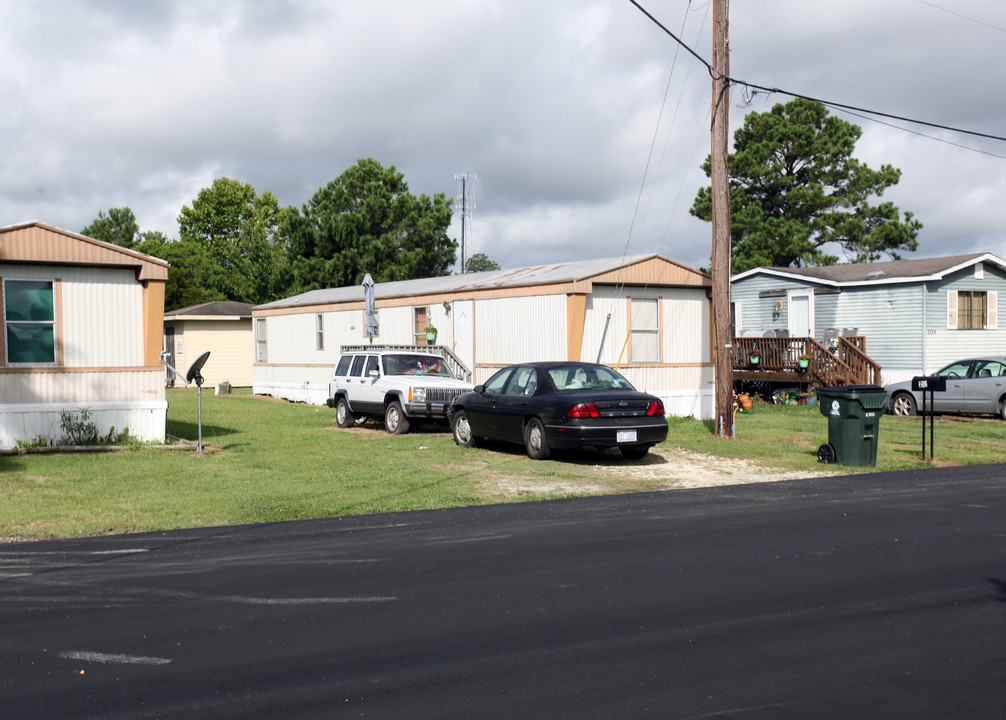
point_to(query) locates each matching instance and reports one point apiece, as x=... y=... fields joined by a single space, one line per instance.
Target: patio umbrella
x=371 y=313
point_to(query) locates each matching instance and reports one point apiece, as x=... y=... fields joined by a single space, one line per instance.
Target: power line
x=830 y=103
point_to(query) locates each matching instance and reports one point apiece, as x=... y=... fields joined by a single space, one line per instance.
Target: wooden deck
x=778 y=360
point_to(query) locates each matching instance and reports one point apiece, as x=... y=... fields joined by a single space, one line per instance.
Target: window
x=358 y=363
x=373 y=365
x=319 y=329
x=524 y=382
x=644 y=330
x=343 y=367
x=419 y=326
x=972 y=310
x=260 y=346
x=30 y=321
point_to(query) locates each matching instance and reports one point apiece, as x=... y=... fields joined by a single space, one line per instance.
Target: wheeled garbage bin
x=853 y=413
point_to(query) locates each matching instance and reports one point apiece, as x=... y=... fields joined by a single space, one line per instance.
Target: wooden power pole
x=723 y=344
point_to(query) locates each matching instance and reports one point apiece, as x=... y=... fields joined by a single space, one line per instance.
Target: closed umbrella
x=371 y=313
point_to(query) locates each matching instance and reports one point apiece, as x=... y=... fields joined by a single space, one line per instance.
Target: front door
x=801 y=313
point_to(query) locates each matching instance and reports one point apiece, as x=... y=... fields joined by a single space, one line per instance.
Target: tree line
x=797 y=196
x=235 y=244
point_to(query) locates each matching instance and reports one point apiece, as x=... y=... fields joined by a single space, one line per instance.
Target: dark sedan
x=553 y=405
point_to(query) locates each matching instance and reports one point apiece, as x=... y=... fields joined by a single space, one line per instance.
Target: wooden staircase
x=779 y=361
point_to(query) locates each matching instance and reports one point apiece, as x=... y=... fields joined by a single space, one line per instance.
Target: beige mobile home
x=82 y=329
x=646 y=315
x=222 y=328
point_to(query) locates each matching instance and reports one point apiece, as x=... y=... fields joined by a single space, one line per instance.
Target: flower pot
x=431 y=337
x=746 y=404
x=804 y=363
x=754 y=359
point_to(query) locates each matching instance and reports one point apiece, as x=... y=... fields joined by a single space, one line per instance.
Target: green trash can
x=853 y=413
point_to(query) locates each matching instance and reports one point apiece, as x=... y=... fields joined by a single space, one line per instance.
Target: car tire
x=535 y=440
x=1002 y=408
x=903 y=405
x=462 y=430
x=395 y=421
x=634 y=452
x=343 y=417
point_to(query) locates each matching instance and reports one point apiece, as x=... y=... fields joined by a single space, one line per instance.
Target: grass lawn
x=269 y=461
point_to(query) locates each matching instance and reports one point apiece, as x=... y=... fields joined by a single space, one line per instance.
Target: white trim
x=951 y=309
x=775 y=272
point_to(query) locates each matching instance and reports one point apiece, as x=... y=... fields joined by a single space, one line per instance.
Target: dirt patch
x=662 y=469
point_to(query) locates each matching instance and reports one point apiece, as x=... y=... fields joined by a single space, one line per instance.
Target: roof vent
x=875 y=275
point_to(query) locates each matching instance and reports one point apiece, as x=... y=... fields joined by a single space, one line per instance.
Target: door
x=464 y=331
x=957 y=378
x=985 y=386
x=801 y=313
x=515 y=404
x=169 y=347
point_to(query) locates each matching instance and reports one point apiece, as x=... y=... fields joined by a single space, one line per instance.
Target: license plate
x=626 y=436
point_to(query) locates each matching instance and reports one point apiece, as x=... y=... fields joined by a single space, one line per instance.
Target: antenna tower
x=466 y=198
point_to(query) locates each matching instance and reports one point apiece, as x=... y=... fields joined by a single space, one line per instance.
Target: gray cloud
x=554 y=106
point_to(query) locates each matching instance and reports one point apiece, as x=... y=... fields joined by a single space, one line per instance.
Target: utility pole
x=723 y=347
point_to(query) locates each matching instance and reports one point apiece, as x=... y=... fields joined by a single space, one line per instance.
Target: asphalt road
x=859 y=597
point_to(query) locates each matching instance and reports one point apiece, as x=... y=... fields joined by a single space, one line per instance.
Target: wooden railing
x=779 y=358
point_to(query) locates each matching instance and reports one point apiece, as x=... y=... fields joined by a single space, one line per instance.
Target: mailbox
x=929 y=383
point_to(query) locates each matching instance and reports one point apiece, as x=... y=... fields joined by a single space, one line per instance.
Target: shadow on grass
x=190 y=430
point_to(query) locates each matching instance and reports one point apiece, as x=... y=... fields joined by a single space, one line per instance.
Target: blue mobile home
x=916 y=315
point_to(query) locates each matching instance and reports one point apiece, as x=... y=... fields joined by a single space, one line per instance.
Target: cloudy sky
x=583 y=123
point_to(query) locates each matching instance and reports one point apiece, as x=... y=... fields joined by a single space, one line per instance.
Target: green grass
x=269 y=461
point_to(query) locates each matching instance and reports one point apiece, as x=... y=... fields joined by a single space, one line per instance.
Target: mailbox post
x=927 y=385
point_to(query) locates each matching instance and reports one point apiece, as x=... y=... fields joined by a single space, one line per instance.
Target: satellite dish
x=193 y=373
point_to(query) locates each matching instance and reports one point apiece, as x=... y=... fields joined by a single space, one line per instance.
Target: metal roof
x=223 y=308
x=468 y=282
x=880 y=272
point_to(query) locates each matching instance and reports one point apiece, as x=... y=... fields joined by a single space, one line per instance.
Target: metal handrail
x=453 y=361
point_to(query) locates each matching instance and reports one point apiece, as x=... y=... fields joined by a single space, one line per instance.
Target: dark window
x=30 y=321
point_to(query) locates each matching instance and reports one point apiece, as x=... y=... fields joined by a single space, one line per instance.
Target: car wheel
x=395 y=421
x=634 y=452
x=343 y=417
x=463 y=430
x=903 y=405
x=826 y=453
x=1002 y=408
x=535 y=440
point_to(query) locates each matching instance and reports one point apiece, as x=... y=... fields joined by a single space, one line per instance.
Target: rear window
x=587 y=377
x=343 y=367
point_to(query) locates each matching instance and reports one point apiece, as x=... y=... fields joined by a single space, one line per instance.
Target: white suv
x=402 y=386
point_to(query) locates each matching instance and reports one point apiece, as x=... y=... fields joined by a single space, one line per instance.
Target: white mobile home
x=82 y=329
x=646 y=315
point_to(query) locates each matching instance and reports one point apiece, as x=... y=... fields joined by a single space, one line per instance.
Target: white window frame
x=642 y=337
x=319 y=329
x=261 y=344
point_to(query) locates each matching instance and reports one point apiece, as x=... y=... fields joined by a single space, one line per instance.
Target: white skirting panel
x=700 y=404
x=145 y=420
x=294 y=392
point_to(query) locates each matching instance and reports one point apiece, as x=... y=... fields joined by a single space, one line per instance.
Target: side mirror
x=479 y=388
x=374 y=374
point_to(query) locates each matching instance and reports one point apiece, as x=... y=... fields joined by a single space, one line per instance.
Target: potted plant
x=754 y=357
x=804 y=361
x=431 y=334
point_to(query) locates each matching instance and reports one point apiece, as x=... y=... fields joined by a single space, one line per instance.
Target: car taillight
x=655 y=408
x=583 y=410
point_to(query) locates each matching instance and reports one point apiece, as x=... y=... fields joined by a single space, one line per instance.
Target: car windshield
x=406 y=364
x=587 y=377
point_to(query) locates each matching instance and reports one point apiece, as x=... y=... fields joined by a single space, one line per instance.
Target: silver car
x=976 y=386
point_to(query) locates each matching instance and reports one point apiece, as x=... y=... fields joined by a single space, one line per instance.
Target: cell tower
x=466 y=199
